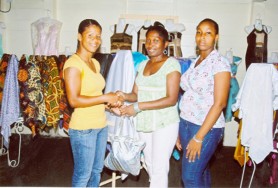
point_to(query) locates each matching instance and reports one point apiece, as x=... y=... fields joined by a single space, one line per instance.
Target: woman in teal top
x=156 y=89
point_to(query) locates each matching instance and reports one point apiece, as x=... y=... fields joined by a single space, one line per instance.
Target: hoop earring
x=165 y=52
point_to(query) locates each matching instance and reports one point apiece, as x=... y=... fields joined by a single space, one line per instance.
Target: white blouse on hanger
x=256 y=101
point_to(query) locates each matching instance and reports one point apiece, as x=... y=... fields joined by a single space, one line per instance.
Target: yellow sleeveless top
x=92 y=84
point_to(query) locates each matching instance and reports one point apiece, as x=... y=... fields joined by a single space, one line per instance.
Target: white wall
x=232 y=17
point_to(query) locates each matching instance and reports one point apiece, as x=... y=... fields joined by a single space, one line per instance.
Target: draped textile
x=3 y=69
x=51 y=85
x=31 y=94
x=64 y=106
x=256 y=107
x=10 y=110
x=121 y=77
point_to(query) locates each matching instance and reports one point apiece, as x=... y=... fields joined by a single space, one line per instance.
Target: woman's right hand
x=112 y=99
x=178 y=144
x=121 y=94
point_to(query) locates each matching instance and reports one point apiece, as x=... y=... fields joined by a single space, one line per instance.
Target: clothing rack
x=18 y=127
x=257 y=130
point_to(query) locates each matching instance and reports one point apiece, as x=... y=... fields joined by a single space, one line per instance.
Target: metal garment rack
x=254 y=169
x=18 y=127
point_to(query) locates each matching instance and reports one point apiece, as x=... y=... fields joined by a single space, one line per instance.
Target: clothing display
x=257 y=47
x=3 y=69
x=141 y=40
x=174 y=47
x=45 y=36
x=120 y=41
x=52 y=87
x=40 y=90
x=105 y=61
x=120 y=77
x=31 y=97
x=10 y=110
x=256 y=106
x=65 y=108
x=234 y=88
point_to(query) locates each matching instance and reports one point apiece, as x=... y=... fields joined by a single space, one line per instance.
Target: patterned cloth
x=10 y=110
x=31 y=97
x=65 y=109
x=51 y=85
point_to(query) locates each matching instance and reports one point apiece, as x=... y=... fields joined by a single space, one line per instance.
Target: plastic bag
x=125 y=155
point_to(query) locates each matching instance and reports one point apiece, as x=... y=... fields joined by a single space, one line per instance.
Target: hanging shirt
x=256 y=100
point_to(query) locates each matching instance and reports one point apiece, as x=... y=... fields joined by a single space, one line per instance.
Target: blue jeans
x=197 y=174
x=88 y=149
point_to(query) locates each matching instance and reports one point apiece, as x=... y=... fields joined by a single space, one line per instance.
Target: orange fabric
x=239 y=151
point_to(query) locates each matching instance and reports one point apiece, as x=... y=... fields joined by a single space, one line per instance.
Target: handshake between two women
x=119 y=108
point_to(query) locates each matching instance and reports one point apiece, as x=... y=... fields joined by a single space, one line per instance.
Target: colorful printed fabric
x=10 y=110
x=65 y=109
x=31 y=97
x=51 y=83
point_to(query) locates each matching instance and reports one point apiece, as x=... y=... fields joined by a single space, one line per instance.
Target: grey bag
x=125 y=155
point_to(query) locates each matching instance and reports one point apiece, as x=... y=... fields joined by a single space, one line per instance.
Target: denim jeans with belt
x=88 y=149
x=196 y=174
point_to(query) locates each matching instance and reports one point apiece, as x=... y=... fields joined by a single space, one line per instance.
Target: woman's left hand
x=193 y=150
x=127 y=110
x=116 y=111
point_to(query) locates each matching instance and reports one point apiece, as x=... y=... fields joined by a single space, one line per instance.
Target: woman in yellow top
x=84 y=84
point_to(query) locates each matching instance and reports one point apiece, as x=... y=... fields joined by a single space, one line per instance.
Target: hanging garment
x=3 y=69
x=240 y=154
x=65 y=108
x=256 y=100
x=105 y=61
x=51 y=85
x=10 y=110
x=45 y=36
x=141 y=40
x=174 y=47
x=137 y=59
x=234 y=88
x=36 y=109
x=257 y=47
x=120 y=41
x=121 y=77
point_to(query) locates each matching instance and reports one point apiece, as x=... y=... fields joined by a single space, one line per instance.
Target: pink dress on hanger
x=45 y=36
